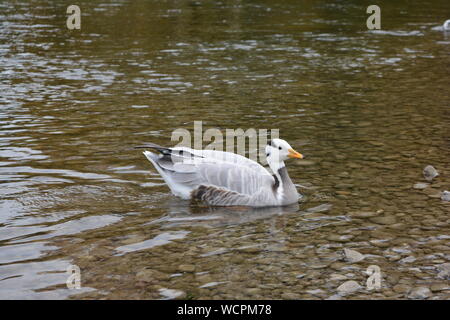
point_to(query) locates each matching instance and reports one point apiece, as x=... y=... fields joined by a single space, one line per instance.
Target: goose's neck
x=279 y=173
x=283 y=187
x=276 y=166
x=283 y=177
x=283 y=183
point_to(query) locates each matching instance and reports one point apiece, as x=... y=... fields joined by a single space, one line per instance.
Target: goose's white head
x=277 y=151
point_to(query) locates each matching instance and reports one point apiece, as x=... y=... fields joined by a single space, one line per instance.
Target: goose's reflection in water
x=183 y=213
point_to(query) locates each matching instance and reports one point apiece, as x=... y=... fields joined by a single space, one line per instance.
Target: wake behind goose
x=220 y=178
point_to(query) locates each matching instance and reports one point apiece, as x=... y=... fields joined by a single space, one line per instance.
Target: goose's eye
x=279 y=148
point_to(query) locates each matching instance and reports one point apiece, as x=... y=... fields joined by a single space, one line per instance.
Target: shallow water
x=368 y=109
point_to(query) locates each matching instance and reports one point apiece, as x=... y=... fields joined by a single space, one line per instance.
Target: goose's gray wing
x=182 y=153
x=231 y=185
x=231 y=176
x=238 y=184
x=223 y=156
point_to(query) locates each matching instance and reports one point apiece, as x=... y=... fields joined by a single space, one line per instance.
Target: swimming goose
x=220 y=178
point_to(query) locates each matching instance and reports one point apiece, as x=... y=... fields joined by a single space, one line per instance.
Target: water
x=368 y=109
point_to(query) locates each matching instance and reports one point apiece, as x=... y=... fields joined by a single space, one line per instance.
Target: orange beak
x=294 y=154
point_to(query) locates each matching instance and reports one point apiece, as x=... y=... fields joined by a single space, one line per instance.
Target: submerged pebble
x=348 y=287
x=353 y=256
x=445 y=196
x=444 y=271
x=316 y=292
x=439 y=287
x=149 y=275
x=408 y=259
x=420 y=293
x=337 y=277
x=290 y=296
x=171 y=293
x=186 y=268
x=421 y=185
x=364 y=214
x=401 y=288
x=429 y=173
x=338 y=238
x=253 y=291
x=386 y=220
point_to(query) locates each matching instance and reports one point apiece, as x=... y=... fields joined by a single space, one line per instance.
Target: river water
x=368 y=109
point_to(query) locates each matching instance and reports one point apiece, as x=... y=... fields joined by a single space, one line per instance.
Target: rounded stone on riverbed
x=420 y=293
x=186 y=268
x=204 y=278
x=408 y=259
x=385 y=220
x=149 y=275
x=338 y=238
x=380 y=243
x=445 y=195
x=444 y=271
x=253 y=291
x=348 y=287
x=364 y=214
x=316 y=292
x=429 y=173
x=353 y=256
x=433 y=193
x=337 y=277
x=401 y=288
x=290 y=296
x=172 y=293
x=250 y=249
x=439 y=287
x=421 y=185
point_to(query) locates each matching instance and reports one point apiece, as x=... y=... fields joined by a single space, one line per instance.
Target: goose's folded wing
x=231 y=176
x=223 y=156
x=234 y=177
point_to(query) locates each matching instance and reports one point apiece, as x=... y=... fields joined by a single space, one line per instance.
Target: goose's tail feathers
x=155 y=146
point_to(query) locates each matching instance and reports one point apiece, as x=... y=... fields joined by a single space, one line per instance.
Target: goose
x=219 y=178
